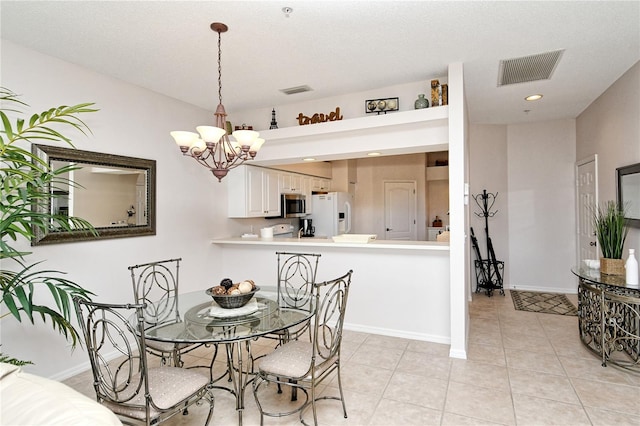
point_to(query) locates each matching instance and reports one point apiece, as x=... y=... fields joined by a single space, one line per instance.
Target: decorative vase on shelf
x=421 y=102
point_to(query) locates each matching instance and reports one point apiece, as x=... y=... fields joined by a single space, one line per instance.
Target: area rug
x=546 y=303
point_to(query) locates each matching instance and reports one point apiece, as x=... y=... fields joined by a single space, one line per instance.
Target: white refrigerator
x=332 y=213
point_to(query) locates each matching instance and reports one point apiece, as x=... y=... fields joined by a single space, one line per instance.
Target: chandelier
x=211 y=146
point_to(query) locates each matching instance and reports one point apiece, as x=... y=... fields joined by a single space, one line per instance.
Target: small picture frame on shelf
x=382 y=105
x=244 y=127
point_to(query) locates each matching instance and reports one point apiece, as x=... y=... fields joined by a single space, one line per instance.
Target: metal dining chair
x=122 y=378
x=296 y=276
x=155 y=284
x=304 y=365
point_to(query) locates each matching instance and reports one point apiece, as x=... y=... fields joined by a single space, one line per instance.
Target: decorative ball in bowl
x=233 y=296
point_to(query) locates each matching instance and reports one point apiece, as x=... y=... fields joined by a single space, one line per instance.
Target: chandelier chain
x=219 y=67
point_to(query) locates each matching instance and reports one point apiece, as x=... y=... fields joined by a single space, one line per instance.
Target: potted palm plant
x=26 y=192
x=611 y=230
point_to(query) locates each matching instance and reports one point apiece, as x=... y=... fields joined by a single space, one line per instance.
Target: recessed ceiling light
x=533 y=97
x=309 y=159
x=373 y=154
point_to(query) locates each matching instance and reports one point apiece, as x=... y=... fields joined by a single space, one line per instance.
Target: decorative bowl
x=232 y=301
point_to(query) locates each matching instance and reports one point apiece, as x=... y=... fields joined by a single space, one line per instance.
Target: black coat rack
x=489 y=271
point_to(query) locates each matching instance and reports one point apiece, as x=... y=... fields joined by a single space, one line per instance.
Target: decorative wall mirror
x=628 y=179
x=116 y=194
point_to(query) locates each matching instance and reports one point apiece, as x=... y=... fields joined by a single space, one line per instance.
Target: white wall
x=351 y=105
x=610 y=127
x=133 y=122
x=488 y=171
x=541 y=205
x=530 y=166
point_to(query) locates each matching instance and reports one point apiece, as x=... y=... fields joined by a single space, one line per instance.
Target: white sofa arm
x=27 y=399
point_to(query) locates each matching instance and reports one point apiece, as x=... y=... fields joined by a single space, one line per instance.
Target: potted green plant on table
x=26 y=190
x=611 y=230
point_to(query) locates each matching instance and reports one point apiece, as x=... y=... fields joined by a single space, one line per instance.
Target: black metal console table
x=609 y=317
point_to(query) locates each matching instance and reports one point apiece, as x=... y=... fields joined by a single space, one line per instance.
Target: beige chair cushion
x=167 y=387
x=293 y=359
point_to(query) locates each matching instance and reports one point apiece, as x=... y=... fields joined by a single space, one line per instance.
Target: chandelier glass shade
x=211 y=146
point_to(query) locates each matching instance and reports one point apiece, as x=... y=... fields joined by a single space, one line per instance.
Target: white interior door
x=587 y=199
x=400 y=210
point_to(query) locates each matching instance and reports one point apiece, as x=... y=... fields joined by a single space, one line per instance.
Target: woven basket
x=612 y=266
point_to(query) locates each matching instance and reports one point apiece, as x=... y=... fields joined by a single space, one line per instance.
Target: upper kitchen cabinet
x=291 y=183
x=320 y=184
x=253 y=192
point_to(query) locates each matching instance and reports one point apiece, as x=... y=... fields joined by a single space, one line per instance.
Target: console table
x=609 y=317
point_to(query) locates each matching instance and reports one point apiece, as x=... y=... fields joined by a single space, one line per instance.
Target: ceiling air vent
x=297 y=89
x=528 y=68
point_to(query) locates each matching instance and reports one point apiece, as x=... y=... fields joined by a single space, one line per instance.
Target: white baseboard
x=544 y=289
x=81 y=368
x=457 y=354
x=398 y=333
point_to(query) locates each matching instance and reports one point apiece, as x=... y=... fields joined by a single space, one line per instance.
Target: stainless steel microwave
x=293 y=205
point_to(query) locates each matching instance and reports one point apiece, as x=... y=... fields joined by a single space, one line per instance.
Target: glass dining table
x=199 y=320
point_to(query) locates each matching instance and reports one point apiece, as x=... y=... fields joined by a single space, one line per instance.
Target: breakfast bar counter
x=328 y=242
x=399 y=288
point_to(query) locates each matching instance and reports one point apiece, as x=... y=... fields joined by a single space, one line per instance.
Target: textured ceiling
x=339 y=47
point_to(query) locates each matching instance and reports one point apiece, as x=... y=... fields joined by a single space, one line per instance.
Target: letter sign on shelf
x=319 y=117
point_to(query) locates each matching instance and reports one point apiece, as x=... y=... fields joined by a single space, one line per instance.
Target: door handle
x=592 y=243
x=389 y=229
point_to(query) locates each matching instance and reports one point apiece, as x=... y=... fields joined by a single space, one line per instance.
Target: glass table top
x=595 y=276
x=200 y=320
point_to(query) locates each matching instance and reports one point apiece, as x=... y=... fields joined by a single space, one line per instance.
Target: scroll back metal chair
x=304 y=365
x=156 y=285
x=122 y=379
x=296 y=277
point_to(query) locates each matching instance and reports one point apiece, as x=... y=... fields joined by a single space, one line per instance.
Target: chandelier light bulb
x=255 y=147
x=210 y=133
x=245 y=137
x=183 y=138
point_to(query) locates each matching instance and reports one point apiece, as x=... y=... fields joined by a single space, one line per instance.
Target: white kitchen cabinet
x=319 y=184
x=253 y=192
x=291 y=183
x=270 y=193
x=306 y=190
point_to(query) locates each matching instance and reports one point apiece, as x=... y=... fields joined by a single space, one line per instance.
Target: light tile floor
x=522 y=369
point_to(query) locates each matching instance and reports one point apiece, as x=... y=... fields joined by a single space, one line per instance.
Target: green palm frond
x=26 y=191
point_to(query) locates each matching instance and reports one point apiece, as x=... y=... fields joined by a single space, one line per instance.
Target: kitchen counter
x=398 y=288
x=329 y=243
